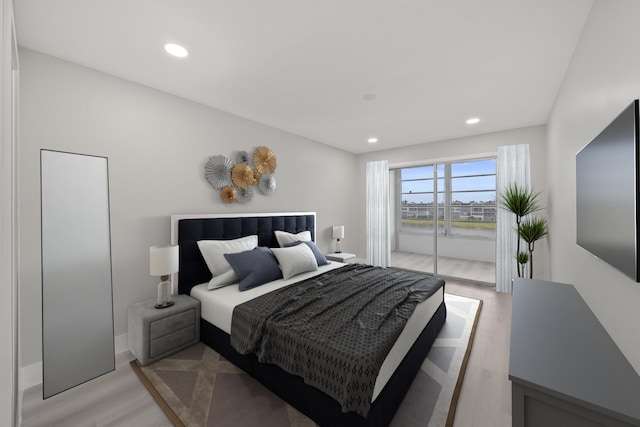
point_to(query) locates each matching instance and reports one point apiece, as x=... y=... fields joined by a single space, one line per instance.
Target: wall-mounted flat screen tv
x=607 y=193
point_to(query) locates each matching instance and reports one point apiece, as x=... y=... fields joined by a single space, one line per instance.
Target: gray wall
x=157 y=145
x=603 y=78
x=461 y=148
x=9 y=219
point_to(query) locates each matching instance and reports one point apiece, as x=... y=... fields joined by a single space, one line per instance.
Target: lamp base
x=164 y=305
x=164 y=294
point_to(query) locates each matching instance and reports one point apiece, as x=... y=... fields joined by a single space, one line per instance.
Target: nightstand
x=341 y=257
x=155 y=333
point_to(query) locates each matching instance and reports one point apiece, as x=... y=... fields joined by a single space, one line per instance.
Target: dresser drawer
x=172 y=341
x=168 y=325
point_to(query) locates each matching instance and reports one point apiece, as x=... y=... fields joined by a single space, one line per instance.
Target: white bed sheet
x=217 y=308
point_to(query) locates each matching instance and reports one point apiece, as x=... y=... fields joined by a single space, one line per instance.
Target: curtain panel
x=377 y=213
x=513 y=166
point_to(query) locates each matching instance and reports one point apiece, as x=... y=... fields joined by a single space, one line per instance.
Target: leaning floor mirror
x=77 y=299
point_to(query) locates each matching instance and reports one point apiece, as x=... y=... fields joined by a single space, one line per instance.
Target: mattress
x=217 y=308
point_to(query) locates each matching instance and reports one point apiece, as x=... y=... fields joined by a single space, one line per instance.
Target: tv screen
x=606 y=193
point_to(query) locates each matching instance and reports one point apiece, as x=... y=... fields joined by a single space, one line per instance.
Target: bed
x=398 y=369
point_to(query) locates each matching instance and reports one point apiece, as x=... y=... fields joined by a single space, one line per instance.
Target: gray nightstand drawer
x=157 y=333
x=344 y=257
x=172 y=341
x=162 y=327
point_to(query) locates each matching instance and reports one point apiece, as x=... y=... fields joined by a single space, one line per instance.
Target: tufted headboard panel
x=188 y=229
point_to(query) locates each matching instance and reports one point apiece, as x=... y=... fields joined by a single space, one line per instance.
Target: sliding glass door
x=416 y=204
x=444 y=219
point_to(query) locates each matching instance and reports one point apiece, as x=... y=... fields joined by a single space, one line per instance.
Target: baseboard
x=19 y=408
x=121 y=343
x=32 y=375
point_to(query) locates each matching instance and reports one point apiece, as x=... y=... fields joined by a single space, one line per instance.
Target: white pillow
x=283 y=237
x=295 y=260
x=213 y=253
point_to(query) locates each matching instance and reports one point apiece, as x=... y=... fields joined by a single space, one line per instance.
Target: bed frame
x=324 y=410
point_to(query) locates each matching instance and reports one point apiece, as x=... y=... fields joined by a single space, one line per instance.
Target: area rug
x=197 y=387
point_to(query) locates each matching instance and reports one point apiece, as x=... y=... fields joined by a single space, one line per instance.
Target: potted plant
x=520 y=201
x=523 y=260
x=531 y=230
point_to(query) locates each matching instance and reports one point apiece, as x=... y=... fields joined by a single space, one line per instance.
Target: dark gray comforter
x=334 y=330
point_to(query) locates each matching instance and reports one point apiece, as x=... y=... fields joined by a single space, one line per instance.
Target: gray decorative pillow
x=213 y=253
x=255 y=267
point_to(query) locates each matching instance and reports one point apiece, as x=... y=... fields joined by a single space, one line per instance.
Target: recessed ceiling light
x=372 y=140
x=473 y=121
x=176 y=50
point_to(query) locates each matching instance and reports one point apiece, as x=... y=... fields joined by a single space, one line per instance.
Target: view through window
x=459 y=198
x=466 y=198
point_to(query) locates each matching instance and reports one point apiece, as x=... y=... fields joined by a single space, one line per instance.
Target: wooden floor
x=476 y=271
x=485 y=399
x=119 y=399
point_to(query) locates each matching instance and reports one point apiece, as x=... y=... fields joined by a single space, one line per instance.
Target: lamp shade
x=163 y=260
x=338 y=231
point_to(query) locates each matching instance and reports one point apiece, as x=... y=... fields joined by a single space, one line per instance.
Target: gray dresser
x=564 y=367
x=157 y=333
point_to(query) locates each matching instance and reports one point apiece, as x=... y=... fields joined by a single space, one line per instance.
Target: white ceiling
x=305 y=66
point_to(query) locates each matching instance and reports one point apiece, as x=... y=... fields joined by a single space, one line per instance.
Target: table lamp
x=338 y=233
x=163 y=261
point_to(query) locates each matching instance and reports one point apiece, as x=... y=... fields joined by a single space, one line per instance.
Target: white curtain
x=378 y=245
x=512 y=167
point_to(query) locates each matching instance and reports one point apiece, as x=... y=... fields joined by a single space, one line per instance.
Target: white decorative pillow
x=295 y=260
x=213 y=253
x=283 y=237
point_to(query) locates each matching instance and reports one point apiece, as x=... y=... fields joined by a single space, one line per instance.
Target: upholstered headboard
x=186 y=230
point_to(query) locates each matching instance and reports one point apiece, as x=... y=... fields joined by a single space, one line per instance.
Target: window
x=465 y=198
x=417 y=193
x=472 y=210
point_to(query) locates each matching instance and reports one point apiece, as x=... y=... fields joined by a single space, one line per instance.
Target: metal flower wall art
x=242 y=176
x=264 y=160
x=218 y=171
x=239 y=181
